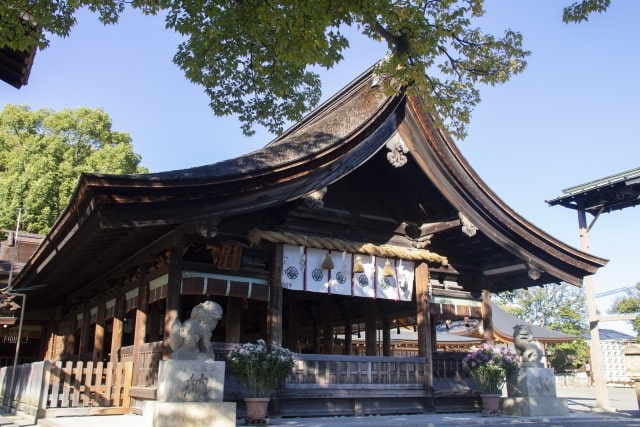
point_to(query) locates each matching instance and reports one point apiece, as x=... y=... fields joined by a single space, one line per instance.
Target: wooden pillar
x=140 y=325
x=386 y=335
x=274 y=306
x=118 y=326
x=327 y=325
x=98 y=338
x=153 y=327
x=434 y=337
x=423 y=317
x=70 y=338
x=141 y=315
x=348 y=338
x=371 y=327
x=316 y=337
x=487 y=318
x=173 y=296
x=84 y=331
x=292 y=322
x=597 y=359
x=233 y=320
x=51 y=342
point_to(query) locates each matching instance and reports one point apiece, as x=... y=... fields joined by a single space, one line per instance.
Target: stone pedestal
x=190 y=395
x=532 y=393
x=632 y=363
x=190 y=381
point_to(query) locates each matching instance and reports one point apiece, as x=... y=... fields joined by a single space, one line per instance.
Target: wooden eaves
x=436 y=193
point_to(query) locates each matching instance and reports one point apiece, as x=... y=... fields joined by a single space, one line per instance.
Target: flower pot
x=256 y=407
x=490 y=403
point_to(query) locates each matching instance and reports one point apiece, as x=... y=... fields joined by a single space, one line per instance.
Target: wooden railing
x=321 y=369
x=50 y=389
x=448 y=365
x=146 y=367
x=325 y=370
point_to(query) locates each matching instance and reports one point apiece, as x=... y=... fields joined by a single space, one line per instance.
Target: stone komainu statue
x=192 y=339
x=527 y=348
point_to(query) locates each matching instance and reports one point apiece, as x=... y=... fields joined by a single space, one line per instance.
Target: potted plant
x=260 y=368
x=490 y=367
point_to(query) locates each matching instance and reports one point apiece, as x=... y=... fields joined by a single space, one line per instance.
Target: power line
x=615 y=291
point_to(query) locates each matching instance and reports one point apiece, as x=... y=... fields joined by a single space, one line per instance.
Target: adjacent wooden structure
x=278 y=236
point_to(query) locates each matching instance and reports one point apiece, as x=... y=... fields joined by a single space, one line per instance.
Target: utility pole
x=24 y=297
x=597 y=363
x=15 y=249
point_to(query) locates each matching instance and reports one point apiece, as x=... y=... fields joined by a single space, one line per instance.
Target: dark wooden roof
x=345 y=146
x=15 y=66
x=15 y=252
x=604 y=195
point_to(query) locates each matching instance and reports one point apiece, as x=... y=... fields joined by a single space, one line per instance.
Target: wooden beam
x=173 y=296
x=84 y=331
x=140 y=326
x=370 y=315
x=432 y=228
x=423 y=319
x=233 y=320
x=348 y=338
x=98 y=338
x=274 y=305
x=487 y=318
x=118 y=325
x=154 y=321
x=386 y=335
x=327 y=328
x=144 y=256
x=292 y=321
x=70 y=338
x=617 y=317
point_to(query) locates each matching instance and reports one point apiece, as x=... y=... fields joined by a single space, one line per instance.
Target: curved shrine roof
x=111 y=218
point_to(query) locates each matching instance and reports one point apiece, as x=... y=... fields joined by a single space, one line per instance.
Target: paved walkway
x=581 y=402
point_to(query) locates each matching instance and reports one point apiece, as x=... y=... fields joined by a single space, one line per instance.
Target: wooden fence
x=50 y=389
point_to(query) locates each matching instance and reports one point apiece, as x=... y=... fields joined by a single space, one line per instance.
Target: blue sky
x=570 y=118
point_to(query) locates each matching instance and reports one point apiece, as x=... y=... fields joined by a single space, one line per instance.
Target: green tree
x=43 y=153
x=629 y=304
x=558 y=307
x=580 y=11
x=256 y=59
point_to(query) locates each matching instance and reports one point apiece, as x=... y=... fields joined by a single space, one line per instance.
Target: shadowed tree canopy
x=43 y=153
x=255 y=58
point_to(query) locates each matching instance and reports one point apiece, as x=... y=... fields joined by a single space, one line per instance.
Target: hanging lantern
x=327 y=264
x=387 y=271
x=357 y=266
